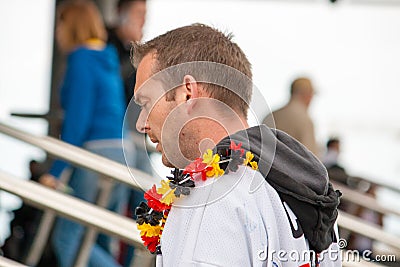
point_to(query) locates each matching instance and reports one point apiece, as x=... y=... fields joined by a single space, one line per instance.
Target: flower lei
x=151 y=216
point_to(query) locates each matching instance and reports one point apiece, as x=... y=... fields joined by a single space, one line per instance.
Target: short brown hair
x=82 y=21
x=199 y=42
x=299 y=84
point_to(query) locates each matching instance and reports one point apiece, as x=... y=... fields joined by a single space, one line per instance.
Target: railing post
x=43 y=232
x=41 y=238
x=106 y=186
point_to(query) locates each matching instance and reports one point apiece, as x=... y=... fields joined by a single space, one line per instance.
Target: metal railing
x=373 y=231
x=364 y=200
x=120 y=173
x=70 y=207
x=80 y=157
x=367 y=229
x=109 y=171
x=87 y=214
x=4 y=262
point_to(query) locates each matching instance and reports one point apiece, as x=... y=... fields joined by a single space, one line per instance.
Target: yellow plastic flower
x=168 y=193
x=164 y=187
x=216 y=171
x=168 y=198
x=254 y=165
x=209 y=158
x=149 y=230
x=249 y=157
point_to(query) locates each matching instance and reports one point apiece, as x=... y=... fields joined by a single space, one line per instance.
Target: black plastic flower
x=236 y=160
x=180 y=182
x=158 y=250
x=224 y=155
x=145 y=216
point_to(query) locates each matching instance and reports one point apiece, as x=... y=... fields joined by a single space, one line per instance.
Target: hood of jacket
x=105 y=59
x=298 y=176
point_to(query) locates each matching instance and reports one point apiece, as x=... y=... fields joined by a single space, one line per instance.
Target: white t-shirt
x=234 y=220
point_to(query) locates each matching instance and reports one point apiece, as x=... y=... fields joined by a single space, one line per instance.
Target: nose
x=141 y=124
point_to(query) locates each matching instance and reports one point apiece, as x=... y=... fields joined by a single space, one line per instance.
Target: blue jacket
x=92 y=98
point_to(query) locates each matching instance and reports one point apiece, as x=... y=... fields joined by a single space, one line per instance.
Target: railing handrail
x=78 y=210
x=382 y=184
x=367 y=229
x=5 y=262
x=364 y=200
x=121 y=173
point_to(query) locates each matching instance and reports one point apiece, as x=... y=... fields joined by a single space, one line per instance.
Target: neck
x=207 y=123
x=300 y=101
x=214 y=131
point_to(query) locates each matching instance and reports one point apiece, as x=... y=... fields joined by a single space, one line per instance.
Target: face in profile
x=186 y=121
x=154 y=106
x=172 y=121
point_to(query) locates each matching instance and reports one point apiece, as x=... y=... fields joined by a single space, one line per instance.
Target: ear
x=189 y=92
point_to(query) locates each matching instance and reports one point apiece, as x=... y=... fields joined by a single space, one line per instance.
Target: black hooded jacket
x=298 y=176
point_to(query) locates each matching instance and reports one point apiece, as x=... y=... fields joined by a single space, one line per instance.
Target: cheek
x=135 y=30
x=189 y=142
x=140 y=20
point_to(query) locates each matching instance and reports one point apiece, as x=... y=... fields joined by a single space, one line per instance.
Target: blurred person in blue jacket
x=128 y=28
x=92 y=98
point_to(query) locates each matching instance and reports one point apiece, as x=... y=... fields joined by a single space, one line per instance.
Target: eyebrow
x=139 y=99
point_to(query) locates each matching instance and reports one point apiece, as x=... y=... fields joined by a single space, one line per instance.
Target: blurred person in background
x=92 y=98
x=331 y=156
x=293 y=118
x=131 y=16
x=330 y=159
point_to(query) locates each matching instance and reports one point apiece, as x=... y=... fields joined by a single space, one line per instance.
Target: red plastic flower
x=151 y=242
x=198 y=166
x=238 y=147
x=153 y=200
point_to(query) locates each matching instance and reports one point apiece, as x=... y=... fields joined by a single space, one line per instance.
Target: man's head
x=131 y=19
x=302 y=90
x=333 y=144
x=193 y=96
